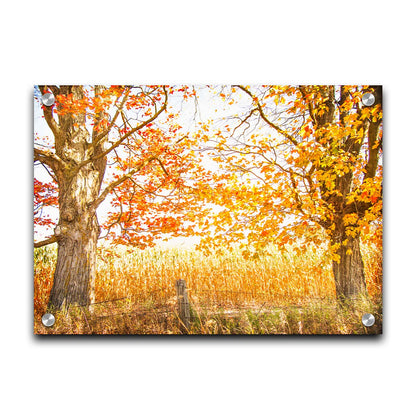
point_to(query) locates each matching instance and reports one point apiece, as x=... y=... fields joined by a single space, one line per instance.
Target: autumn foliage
x=298 y=164
x=265 y=168
x=45 y=195
x=281 y=183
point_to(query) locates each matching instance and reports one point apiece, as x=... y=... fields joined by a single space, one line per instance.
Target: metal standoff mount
x=368 y=319
x=48 y=319
x=48 y=99
x=368 y=99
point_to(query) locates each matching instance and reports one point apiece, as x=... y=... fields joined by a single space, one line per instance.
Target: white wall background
x=207 y=42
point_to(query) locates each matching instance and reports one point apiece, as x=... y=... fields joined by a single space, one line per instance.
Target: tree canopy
x=270 y=165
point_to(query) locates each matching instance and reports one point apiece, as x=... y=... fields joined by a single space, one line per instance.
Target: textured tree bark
x=77 y=234
x=79 y=177
x=75 y=269
x=349 y=271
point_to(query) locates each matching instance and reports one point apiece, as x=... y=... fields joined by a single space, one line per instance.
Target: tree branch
x=49 y=240
x=302 y=90
x=114 y=184
x=264 y=117
x=122 y=138
x=48 y=111
x=373 y=147
x=50 y=158
x=97 y=140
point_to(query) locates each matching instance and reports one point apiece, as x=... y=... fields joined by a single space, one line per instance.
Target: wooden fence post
x=183 y=304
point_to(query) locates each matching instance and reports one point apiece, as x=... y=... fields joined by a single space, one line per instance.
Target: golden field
x=282 y=292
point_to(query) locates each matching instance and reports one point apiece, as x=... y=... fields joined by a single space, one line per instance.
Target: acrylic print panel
x=215 y=210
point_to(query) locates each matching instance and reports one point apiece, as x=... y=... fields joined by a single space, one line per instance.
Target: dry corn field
x=279 y=293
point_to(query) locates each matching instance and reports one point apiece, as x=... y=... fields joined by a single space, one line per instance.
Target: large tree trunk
x=77 y=231
x=77 y=234
x=75 y=268
x=348 y=269
x=348 y=266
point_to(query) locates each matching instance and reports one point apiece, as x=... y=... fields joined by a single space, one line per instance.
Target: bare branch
x=49 y=240
x=264 y=117
x=45 y=166
x=162 y=166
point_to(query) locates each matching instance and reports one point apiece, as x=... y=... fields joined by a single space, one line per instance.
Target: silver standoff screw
x=368 y=319
x=48 y=99
x=48 y=319
x=368 y=99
